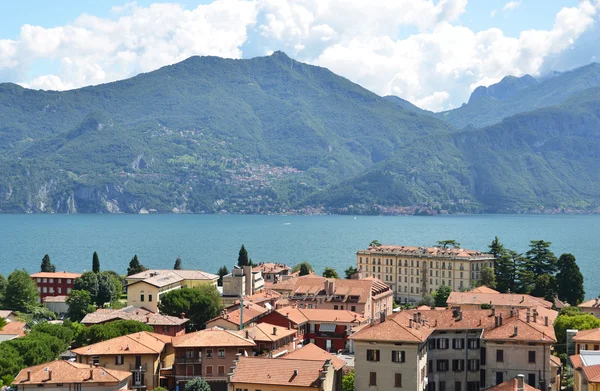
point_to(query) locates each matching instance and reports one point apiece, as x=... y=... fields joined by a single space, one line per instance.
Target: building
x=272 y=272
x=412 y=272
x=54 y=284
x=368 y=296
x=515 y=384
x=586 y=371
x=257 y=373
x=162 y=324
x=144 y=289
x=56 y=304
x=501 y=301
x=271 y=340
x=313 y=352
x=145 y=355
x=13 y=330
x=587 y=340
x=208 y=353
x=69 y=376
x=237 y=318
x=9 y=315
x=267 y=298
x=242 y=281
x=591 y=307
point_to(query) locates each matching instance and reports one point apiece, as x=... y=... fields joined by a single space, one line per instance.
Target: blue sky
x=433 y=53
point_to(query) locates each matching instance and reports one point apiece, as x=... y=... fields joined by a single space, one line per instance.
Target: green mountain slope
x=549 y=158
x=488 y=106
x=206 y=134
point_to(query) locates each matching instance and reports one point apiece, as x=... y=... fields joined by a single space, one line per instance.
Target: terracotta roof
x=594 y=303
x=483 y=289
x=55 y=299
x=397 y=327
x=184 y=274
x=250 y=313
x=313 y=352
x=511 y=385
x=278 y=372
x=161 y=280
x=213 y=337
x=6 y=313
x=268 y=267
x=132 y=313
x=555 y=361
x=592 y=372
x=67 y=372
x=264 y=295
x=587 y=335
x=303 y=315
x=56 y=275
x=428 y=252
x=136 y=343
x=576 y=361
x=497 y=299
x=14 y=328
x=263 y=332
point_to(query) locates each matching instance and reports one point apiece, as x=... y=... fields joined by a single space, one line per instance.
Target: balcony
x=138 y=368
x=208 y=378
x=188 y=360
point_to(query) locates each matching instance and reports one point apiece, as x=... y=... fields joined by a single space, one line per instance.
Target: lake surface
x=208 y=241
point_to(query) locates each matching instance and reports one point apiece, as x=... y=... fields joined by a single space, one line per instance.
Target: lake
x=208 y=241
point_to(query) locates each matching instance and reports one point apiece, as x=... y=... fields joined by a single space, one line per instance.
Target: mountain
x=406 y=105
x=203 y=135
x=512 y=95
x=544 y=158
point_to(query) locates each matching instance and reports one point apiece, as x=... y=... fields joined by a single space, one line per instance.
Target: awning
x=327 y=327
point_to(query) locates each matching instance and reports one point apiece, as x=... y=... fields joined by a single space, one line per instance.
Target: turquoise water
x=208 y=241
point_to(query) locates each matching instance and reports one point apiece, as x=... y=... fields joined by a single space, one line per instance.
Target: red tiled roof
x=56 y=275
x=250 y=312
x=14 y=328
x=313 y=352
x=268 y=267
x=132 y=313
x=397 y=327
x=483 y=289
x=594 y=303
x=263 y=332
x=136 y=343
x=555 y=361
x=592 y=372
x=429 y=252
x=303 y=315
x=576 y=361
x=511 y=385
x=67 y=372
x=592 y=335
x=213 y=337
x=497 y=299
x=278 y=372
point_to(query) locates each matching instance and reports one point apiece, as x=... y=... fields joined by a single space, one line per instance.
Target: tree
x=87 y=282
x=177 y=264
x=496 y=248
x=441 y=295
x=243 y=257
x=540 y=259
x=545 y=286
x=375 y=243
x=197 y=384
x=200 y=304
x=488 y=278
x=350 y=272
x=103 y=332
x=577 y=322
x=95 y=263
x=223 y=271
x=47 y=266
x=3 y=283
x=135 y=266
x=80 y=304
x=427 y=300
x=330 y=272
x=507 y=271
x=109 y=289
x=348 y=381
x=569 y=280
x=448 y=242
x=21 y=292
x=304 y=268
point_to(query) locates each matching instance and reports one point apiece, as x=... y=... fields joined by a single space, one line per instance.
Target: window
x=372 y=378
x=209 y=353
x=442 y=386
x=51 y=290
x=458 y=343
x=431 y=344
x=442 y=343
x=221 y=353
x=398 y=356
x=473 y=343
x=221 y=370
x=149 y=297
x=38 y=279
x=68 y=290
x=68 y=280
x=473 y=386
x=45 y=280
x=398 y=380
x=51 y=280
x=532 y=356
x=473 y=365
x=44 y=290
x=60 y=280
x=59 y=290
x=353 y=308
x=442 y=365
x=189 y=353
x=458 y=365
x=499 y=377
x=142 y=297
x=77 y=387
x=372 y=355
x=119 y=360
x=531 y=380
x=335 y=307
x=499 y=356
x=165 y=329
x=209 y=371
x=457 y=386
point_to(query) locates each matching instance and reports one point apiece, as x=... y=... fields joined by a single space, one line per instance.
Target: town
x=438 y=318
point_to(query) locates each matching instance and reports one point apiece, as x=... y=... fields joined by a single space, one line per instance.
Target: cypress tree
x=243 y=257
x=47 y=266
x=177 y=264
x=95 y=263
x=540 y=259
x=569 y=280
x=135 y=266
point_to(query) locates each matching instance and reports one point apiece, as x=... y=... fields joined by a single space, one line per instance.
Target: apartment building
x=145 y=355
x=54 y=283
x=162 y=324
x=591 y=307
x=412 y=272
x=587 y=340
x=271 y=340
x=586 y=371
x=313 y=352
x=272 y=272
x=242 y=281
x=238 y=317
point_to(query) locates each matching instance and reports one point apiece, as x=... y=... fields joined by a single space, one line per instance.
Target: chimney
x=516 y=332
x=50 y=375
x=520 y=382
x=247 y=334
x=522 y=298
x=147 y=319
x=182 y=315
x=410 y=322
x=500 y=318
x=535 y=314
x=546 y=320
x=459 y=315
x=512 y=312
x=493 y=311
x=91 y=373
x=274 y=330
x=295 y=372
x=289 y=325
x=495 y=321
x=28 y=375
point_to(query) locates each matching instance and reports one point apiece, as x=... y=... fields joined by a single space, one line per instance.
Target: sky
x=433 y=53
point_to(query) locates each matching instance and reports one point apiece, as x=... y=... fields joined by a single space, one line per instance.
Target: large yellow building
x=412 y=272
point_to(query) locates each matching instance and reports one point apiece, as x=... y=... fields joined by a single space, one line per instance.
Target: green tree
x=47 y=266
x=135 y=266
x=79 y=304
x=197 y=384
x=103 y=332
x=223 y=271
x=304 y=270
x=350 y=272
x=243 y=257
x=577 y=322
x=348 y=381
x=427 y=300
x=109 y=289
x=496 y=248
x=177 y=264
x=95 y=263
x=441 y=295
x=160 y=389
x=545 y=286
x=448 y=242
x=21 y=292
x=540 y=259
x=488 y=278
x=375 y=243
x=330 y=272
x=200 y=304
x=11 y=361
x=3 y=284
x=87 y=282
x=569 y=280
x=507 y=271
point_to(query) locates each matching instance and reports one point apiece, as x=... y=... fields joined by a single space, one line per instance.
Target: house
x=13 y=330
x=328 y=329
x=54 y=283
x=412 y=271
x=313 y=352
x=267 y=298
x=257 y=373
x=591 y=307
x=56 y=304
x=586 y=370
x=501 y=301
x=368 y=296
x=145 y=355
x=270 y=339
x=272 y=272
x=9 y=315
x=514 y=384
x=242 y=281
x=144 y=289
x=208 y=353
x=68 y=376
x=587 y=340
x=162 y=324
x=237 y=318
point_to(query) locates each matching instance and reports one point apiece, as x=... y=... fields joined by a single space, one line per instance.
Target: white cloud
x=493 y=13
x=511 y=5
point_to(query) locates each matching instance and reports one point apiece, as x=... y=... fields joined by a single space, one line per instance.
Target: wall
x=135 y=291
x=150 y=362
x=328 y=385
x=84 y=386
x=200 y=368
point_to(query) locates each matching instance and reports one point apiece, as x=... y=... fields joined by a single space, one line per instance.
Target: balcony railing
x=208 y=378
x=138 y=368
x=188 y=360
